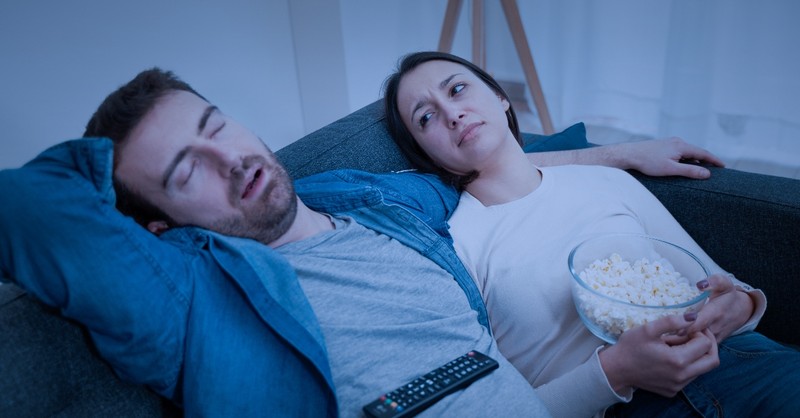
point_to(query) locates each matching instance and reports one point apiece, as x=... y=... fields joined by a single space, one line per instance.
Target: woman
x=513 y=229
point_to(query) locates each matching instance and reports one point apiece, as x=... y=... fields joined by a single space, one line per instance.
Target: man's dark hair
x=418 y=158
x=118 y=115
x=123 y=109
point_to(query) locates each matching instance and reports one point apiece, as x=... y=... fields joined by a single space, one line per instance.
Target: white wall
x=60 y=59
x=285 y=68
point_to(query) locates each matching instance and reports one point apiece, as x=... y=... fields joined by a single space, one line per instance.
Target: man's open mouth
x=249 y=188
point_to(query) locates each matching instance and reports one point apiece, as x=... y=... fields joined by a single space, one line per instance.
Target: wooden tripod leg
x=478 y=38
x=524 y=52
x=449 y=25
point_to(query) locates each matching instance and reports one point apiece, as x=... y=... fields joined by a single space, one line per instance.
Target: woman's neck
x=510 y=177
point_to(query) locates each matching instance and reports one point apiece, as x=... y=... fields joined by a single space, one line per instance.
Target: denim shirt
x=218 y=324
x=409 y=207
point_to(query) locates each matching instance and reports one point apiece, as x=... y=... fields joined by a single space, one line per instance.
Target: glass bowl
x=623 y=280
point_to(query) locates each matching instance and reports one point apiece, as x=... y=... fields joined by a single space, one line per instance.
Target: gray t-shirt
x=389 y=315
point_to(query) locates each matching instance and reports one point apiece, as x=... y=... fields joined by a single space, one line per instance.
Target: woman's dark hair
x=118 y=115
x=402 y=136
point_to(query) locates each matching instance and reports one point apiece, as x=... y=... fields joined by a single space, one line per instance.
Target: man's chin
x=277 y=226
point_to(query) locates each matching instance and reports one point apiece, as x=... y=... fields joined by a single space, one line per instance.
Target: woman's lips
x=469 y=133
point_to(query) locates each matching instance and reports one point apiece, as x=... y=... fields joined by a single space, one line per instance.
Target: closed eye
x=216 y=131
x=216 y=122
x=189 y=175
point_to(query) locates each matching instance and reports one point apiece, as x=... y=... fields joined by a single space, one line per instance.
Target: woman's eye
x=424 y=119
x=457 y=89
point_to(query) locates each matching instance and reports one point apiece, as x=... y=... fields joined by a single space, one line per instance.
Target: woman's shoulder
x=583 y=171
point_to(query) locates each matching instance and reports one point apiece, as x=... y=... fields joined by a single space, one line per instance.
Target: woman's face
x=453 y=115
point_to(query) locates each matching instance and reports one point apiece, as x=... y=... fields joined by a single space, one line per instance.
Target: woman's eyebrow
x=447 y=81
x=442 y=85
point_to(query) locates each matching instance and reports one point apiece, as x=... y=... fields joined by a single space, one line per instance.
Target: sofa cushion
x=331 y=147
x=571 y=138
x=48 y=370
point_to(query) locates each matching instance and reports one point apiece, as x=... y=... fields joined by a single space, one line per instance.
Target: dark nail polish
x=690 y=316
x=702 y=284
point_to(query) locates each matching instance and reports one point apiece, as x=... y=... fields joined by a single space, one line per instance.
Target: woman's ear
x=157 y=227
x=506 y=104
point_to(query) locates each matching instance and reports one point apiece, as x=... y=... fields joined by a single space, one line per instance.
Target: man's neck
x=306 y=224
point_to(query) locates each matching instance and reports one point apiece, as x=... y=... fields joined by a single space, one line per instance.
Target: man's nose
x=223 y=159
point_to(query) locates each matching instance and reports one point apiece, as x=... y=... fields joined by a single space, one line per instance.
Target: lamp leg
x=449 y=25
x=478 y=38
x=526 y=59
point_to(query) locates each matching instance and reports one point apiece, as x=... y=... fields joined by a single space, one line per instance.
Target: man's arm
x=63 y=241
x=660 y=157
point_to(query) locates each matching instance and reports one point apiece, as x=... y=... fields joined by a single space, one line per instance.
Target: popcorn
x=643 y=282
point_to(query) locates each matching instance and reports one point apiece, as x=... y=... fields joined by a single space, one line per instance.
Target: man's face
x=202 y=168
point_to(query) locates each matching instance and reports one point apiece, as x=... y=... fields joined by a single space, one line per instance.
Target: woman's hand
x=643 y=358
x=666 y=157
x=727 y=309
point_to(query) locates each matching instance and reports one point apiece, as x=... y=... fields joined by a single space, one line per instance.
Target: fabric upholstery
x=749 y=223
x=49 y=368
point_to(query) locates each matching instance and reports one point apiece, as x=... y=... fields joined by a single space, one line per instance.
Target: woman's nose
x=454 y=116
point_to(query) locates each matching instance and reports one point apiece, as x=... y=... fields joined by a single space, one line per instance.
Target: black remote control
x=412 y=398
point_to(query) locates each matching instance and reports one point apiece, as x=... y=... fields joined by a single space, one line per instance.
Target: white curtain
x=722 y=74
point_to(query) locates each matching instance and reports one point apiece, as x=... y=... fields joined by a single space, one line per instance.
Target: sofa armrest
x=750 y=225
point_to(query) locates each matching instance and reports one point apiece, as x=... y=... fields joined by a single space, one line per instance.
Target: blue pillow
x=571 y=138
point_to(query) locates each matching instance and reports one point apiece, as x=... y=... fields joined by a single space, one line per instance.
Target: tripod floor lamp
x=514 y=22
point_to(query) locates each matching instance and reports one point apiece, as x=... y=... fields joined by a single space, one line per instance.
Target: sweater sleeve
x=582 y=392
x=657 y=221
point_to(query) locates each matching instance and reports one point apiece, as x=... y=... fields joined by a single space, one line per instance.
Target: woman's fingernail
x=702 y=284
x=690 y=316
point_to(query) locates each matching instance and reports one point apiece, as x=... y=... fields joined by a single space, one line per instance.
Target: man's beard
x=272 y=217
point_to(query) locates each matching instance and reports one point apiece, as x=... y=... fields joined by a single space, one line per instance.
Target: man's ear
x=157 y=227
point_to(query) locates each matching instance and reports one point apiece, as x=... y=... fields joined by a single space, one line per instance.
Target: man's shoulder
x=352 y=192
x=386 y=179
x=408 y=187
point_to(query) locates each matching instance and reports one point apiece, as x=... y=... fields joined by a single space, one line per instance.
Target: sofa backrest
x=359 y=140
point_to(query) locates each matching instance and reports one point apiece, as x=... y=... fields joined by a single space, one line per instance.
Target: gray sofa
x=748 y=223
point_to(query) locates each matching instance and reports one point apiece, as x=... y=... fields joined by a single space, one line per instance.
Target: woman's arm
x=642 y=358
x=581 y=392
x=659 y=157
x=733 y=306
